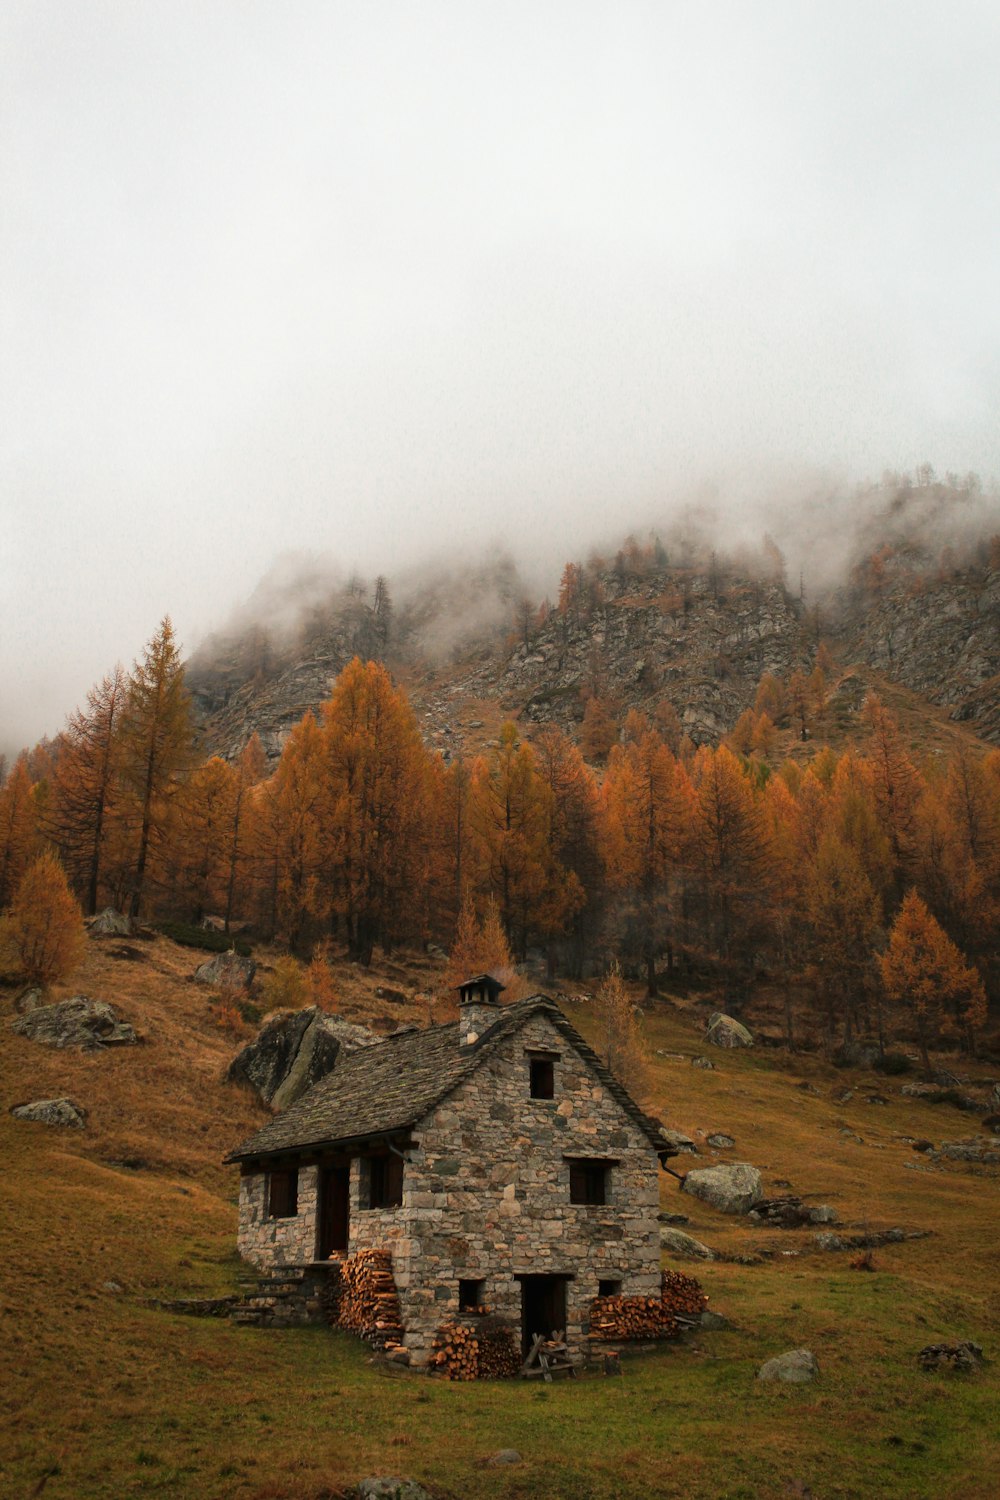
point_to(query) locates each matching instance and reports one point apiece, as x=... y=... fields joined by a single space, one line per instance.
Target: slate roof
x=390 y=1086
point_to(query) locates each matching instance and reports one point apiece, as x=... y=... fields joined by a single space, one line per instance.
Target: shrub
x=201 y=937
x=893 y=1064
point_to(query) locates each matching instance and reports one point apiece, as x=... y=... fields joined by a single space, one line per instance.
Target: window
x=283 y=1193
x=542 y=1078
x=470 y=1295
x=588 y=1182
x=609 y=1288
x=385 y=1181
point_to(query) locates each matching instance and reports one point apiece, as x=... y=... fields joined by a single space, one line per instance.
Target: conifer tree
x=923 y=971
x=86 y=789
x=45 y=926
x=18 y=828
x=157 y=740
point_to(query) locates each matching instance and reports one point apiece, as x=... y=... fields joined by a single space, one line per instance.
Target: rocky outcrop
x=726 y=1031
x=292 y=1051
x=226 y=971
x=52 y=1112
x=795 y=1367
x=110 y=923
x=961 y=1356
x=733 y=1187
x=80 y=1022
x=676 y=1242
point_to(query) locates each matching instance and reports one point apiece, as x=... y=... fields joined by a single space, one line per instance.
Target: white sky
x=386 y=279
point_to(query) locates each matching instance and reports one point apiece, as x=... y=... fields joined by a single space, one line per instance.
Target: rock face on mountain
x=292 y=1051
x=938 y=636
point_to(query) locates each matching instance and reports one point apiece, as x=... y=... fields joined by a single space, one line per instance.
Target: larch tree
x=843 y=914
x=45 y=926
x=895 y=783
x=621 y=1037
x=730 y=851
x=18 y=828
x=157 y=738
x=923 y=971
x=510 y=820
x=251 y=768
x=86 y=790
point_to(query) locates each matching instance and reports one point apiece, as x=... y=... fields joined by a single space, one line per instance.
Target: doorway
x=543 y=1307
x=334 y=1211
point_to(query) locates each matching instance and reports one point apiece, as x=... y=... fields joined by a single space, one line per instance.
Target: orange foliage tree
x=45 y=926
x=924 y=972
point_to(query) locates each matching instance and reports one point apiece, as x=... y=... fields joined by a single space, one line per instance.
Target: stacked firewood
x=630 y=1318
x=683 y=1297
x=369 y=1304
x=331 y=1294
x=679 y=1305
x=476 y=1353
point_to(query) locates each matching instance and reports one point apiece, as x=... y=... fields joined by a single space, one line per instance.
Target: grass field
x=103 y=1395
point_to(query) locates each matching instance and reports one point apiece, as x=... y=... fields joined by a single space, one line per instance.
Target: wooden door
x=334 y=1210
x=543 y=1307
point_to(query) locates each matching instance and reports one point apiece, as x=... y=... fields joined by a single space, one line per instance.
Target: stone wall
x=270 y=1243
x=486 y=1197
x=486 y=1194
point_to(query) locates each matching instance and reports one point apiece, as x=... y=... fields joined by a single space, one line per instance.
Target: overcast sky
x=382 y=279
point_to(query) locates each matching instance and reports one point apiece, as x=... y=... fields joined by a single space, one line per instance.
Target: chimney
x=477 y=1007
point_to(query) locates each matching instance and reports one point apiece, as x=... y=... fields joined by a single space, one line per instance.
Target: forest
x=862 y=887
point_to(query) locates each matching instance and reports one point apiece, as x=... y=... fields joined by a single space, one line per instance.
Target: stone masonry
x=486 y=1194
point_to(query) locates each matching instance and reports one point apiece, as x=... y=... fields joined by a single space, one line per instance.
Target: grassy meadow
x=104 y=1395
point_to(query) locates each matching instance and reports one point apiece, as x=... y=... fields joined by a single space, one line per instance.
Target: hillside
x=104 y=1394
x=679 y=626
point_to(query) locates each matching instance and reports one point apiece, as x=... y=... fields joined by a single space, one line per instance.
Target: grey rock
x=111 y=1286
x=979 y=1149
x=228 y=969
x=89 y=1024
x=504 y=1456
x=858 y=1054
x=795 y=1367
x=702 y=1062
x=829 y=1242
x=679 y=1243
x=51 y=1112
x=732 y=1187
x=292 y=1051
x=822 y=1214
x=682 y=1144
x=849 y=1135
x=721 y=1141
x=726 y=1031
x=962 y=1356
x=667 y=1218
x=110 y=923
x=381 y=1487
x=714 y=1320
x=29 y=999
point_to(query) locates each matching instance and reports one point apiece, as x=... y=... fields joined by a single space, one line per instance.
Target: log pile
x=369 y=1304
x=683 y=1297
x=480 y=1352
x=679 y=1305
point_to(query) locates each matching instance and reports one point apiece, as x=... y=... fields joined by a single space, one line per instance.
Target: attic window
x=283 y=1193
x=589 y=1182
x=543 y=1084
x=385 y=1181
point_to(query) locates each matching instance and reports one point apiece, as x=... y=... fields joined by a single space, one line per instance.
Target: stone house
x=495 y=1158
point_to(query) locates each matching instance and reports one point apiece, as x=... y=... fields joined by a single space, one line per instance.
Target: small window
x=588 y=1182
x=609 y=1288
x=385 y=1181
x=543 y=1084
x=283 y=1193
x=470 y=1295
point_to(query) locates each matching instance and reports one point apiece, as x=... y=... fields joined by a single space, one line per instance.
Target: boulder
x=502 y=1457
x=51 y=1112
x=719 y=1141
x=29 y=999
x=725 y=1031
x=702 y=1062
x=795 y=1367
x=963 y=1356
x=226 y=971
x=681 y=1143
x=732 y=1187
x=79 y=1022
x=679 y=1243
x=292 y=1051
x=978 y=1149
x=387 y=1487
x=110 y=923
